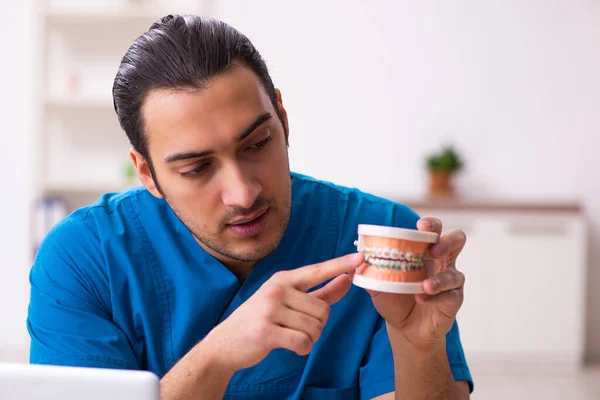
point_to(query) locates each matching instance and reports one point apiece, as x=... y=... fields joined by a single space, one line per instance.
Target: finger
x=308 y=304
x=290 y=339
x=302 y=322
x=351 y=275
x=421 y=298
x=449 y=245
x=430 y=224
x=448 y=303
x=310 y=276
x=334 y=290
x=444 y=281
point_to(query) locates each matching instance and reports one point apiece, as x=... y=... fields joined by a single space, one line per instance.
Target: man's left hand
x=425 y=319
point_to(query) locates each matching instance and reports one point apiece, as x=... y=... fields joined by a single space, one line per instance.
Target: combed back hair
x=181 y=53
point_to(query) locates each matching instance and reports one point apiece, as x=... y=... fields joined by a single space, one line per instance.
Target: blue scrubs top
x=123 y=284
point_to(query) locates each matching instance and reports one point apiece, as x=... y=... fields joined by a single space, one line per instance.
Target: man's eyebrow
x=258 y=122
x=198 y=154
x=187 y=155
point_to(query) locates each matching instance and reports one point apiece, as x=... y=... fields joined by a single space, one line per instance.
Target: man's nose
x=240 y=190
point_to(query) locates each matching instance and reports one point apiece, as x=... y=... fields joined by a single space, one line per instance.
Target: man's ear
x=283 y=113
x=143 y=171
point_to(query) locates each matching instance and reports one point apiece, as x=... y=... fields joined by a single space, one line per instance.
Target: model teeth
x=397 y=265
x=390 y=254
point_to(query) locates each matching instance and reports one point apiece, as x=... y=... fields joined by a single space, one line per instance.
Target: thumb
x=334 y=290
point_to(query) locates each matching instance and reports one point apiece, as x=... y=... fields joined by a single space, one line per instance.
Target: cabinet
x=525 y=281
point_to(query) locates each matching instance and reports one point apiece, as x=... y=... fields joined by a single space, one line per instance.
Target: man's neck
x=241 y=269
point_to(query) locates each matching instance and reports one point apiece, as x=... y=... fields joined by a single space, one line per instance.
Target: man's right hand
x=281 y=314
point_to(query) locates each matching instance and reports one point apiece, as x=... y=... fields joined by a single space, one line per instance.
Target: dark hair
x=179 y=52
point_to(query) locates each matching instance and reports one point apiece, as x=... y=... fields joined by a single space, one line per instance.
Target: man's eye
x=259 y=145
x=196 y=171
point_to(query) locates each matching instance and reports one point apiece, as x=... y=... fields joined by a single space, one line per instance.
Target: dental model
x=394 y=258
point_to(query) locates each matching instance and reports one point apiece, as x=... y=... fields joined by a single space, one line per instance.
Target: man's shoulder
x=351 y=201
x=111 y=203
x=108 y=214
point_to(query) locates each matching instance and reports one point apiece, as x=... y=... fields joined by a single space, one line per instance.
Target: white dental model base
x=379 y=285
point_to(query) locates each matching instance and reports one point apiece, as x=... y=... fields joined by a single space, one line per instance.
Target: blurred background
x=482 y=113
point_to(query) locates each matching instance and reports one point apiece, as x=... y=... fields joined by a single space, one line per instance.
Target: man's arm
x=281 y=314
x=68 y=319
x=383 y=359
x=463 y=388
x=198 y=375
x=421 y=374
x=418 y=327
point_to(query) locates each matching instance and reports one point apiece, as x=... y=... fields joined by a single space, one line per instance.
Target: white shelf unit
x=71 y=104
x=525 y=286
x=62 y=18
x=80 y=149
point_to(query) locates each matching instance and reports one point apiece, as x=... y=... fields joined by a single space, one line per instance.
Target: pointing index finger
x=310 y=276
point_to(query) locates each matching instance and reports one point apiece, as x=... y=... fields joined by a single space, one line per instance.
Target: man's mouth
x=250 y=225
x=249 y=218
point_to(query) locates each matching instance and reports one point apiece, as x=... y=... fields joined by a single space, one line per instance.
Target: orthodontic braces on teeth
x=384 y=257
x=403 y=266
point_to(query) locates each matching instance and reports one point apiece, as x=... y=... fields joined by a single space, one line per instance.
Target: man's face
x=220 y=159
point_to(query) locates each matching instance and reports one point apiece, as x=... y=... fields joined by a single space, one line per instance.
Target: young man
x=227 y=275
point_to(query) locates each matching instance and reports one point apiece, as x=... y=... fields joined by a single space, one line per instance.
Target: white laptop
x=37 y=382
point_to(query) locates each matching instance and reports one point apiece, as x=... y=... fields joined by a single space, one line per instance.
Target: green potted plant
x=442 y=166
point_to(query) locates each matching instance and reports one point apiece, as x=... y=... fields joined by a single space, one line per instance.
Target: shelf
x=87 y=103
x=490 y=205
x=108 y=19
x=76 y=196
x=73 y=188
x=80 y=145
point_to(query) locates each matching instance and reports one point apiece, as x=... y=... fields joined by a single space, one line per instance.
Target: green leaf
x=445 y=160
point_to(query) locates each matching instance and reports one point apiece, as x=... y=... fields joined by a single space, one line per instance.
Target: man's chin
x=252 y=254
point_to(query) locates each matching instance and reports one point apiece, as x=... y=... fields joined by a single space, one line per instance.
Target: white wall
x=372 y=87
x=498 y=79
x=16 y=70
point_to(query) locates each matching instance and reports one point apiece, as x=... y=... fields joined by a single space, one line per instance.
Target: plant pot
x=440 y=183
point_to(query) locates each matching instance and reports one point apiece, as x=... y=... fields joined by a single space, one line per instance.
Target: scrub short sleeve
x=68 y=322
x=377 y=373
